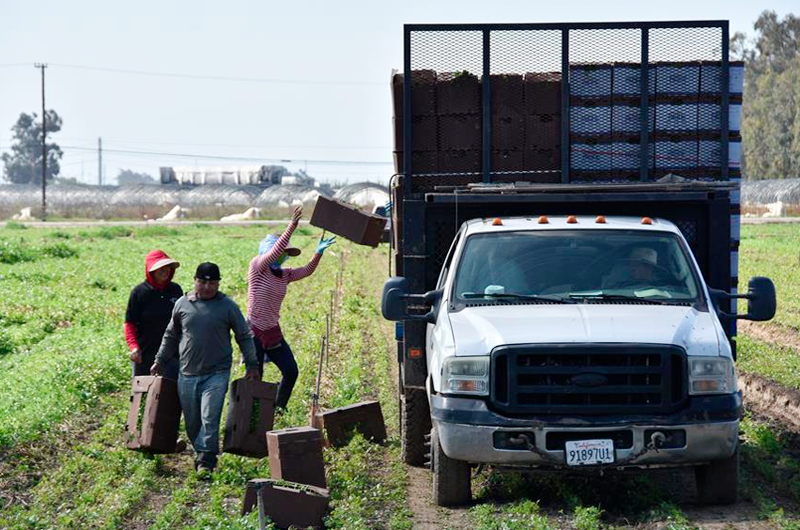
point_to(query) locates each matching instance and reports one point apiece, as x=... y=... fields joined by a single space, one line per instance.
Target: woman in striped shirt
x=267 y=282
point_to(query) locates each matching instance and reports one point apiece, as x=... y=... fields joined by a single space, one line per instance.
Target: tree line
x=771 y=110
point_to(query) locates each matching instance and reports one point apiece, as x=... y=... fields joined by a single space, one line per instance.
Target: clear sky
x=261 y=80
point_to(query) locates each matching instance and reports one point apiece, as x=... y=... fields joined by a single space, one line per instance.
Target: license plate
x=589 y=452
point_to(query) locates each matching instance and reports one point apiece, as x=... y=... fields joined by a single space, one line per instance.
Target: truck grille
x=588 y=380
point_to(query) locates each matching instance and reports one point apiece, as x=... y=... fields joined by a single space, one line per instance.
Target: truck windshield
x=576 y=265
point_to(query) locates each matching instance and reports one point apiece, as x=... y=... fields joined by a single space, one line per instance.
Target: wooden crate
x=287 y=504
x=295 y=455
x=345 y=220
x=251 y=412
x=340 y=424
x=154 y=415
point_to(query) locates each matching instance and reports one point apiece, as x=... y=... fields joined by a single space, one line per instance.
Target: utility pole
x=42 y=66
x=99 y=161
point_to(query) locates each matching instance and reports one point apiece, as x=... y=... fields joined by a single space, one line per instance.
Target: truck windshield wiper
x=596 y=295
x=514 y=296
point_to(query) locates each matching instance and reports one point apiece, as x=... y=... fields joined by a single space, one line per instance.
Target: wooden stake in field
x=327 y=340
x=315 y=396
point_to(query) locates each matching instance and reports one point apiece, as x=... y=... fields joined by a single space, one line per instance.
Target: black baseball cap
x=207 y=271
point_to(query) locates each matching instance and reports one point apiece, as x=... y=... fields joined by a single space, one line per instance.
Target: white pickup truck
x=577 y=342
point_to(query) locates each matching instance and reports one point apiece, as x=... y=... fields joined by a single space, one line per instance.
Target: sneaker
x=180 y=446
x=204 y=473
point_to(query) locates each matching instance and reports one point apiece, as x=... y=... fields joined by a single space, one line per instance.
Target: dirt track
x=772 y=333
x=773 y=400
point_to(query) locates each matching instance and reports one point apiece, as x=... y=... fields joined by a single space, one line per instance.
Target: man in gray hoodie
x=199 y=334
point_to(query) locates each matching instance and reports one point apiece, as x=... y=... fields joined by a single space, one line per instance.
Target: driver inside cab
x=638 y=273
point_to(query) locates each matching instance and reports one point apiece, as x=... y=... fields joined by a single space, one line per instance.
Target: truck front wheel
x=718 y=481
x=451 y=478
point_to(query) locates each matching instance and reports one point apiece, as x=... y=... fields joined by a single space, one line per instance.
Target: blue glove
x=325 y=243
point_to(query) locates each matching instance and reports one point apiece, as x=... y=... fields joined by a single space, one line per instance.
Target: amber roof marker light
x=572 y=220
x=543 y=220
x=647 y=221
x=497 y=222
x=600 y=219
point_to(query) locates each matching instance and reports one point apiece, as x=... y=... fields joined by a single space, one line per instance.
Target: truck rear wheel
x=718 y=481
x=451 y=478
x=415 y=423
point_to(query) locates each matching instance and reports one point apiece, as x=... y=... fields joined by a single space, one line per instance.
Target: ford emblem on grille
x=589 y=379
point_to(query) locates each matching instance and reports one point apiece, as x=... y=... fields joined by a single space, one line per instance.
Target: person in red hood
x=149 y=311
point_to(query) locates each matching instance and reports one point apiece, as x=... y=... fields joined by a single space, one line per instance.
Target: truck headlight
x=711 y=375
x=466 y=375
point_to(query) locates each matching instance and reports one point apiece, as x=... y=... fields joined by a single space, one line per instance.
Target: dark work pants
x=283 y=358
x=143 y=368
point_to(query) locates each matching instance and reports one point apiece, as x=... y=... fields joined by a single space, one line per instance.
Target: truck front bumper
x=467 y=431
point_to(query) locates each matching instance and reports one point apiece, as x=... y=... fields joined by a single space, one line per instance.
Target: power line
x=121 y=141
x=225 y=157
x=260 y=146
x=240 y=158
x=217 y=77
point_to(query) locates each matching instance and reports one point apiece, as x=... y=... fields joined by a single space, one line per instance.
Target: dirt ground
x=772 y=333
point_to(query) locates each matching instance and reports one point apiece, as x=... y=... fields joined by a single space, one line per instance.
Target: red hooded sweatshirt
x=153 y=257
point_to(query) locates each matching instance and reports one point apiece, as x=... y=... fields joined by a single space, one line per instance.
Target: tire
x=718 y=481
x=452 y=479
x=415 y=423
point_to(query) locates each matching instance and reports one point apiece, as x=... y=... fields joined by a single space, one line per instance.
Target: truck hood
x=477 y=330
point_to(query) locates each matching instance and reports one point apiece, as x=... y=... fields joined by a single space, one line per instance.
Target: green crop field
x=773 y=250
x=64 y=380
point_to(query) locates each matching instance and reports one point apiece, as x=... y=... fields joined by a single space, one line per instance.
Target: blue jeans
x=201 y=398
x=283 y=358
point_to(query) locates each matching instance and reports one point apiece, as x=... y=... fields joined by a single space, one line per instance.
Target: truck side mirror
x=394 y=303
x=760 y=299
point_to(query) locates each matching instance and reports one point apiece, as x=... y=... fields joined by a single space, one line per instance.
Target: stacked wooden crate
x=626 y=90
x=709 y=119
x=508 y=123
x=542 y=157
x=424 y=122
x=447 y=125
x=677 y=89
x=458 y=111
x=590 y=113
x=684 y=122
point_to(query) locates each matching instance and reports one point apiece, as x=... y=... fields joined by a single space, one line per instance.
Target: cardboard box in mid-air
x=347 y=221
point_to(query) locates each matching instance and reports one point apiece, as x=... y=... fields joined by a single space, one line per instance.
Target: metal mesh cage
x=526 y=107
x=566 y=103
x=451 y=136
